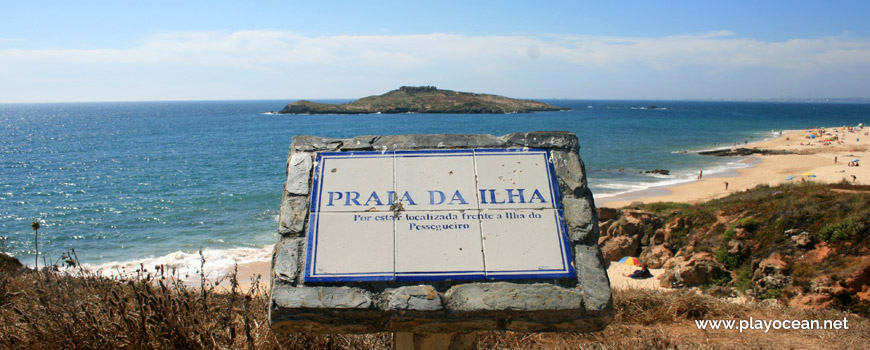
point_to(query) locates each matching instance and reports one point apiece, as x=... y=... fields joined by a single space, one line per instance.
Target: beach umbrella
x=630 y=260
x=856 y=160
x=808 y=174
x=789 y=178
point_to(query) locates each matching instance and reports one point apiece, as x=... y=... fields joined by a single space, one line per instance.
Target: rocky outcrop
x=696 y=270
x=820 y=253
x=743 y=152
x=625 y=232
x=607 y=214
x=658 y=171
x=738 y=248
x=656 y=256
x=812 y=301
x=802 y=240
x=635 y=233
x=857 y=280
x=798 y=265
x=771 y=276
x=615 y=247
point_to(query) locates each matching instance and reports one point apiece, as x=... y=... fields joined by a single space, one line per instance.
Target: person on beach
x=726 y=185
x=700 y=174
x=835 y=159
x=643 y=272
x=854 y=178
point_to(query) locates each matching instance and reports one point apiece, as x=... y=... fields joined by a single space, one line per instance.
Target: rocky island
x=423 y=99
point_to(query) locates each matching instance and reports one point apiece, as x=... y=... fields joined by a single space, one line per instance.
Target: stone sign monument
x=431 y=234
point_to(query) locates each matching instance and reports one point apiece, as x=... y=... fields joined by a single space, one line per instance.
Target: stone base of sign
x=434 y=341
x=445 y=307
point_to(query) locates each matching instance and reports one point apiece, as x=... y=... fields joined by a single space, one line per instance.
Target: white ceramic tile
x=513 y=180
x=353 y=243
x=522 y=241
x=363 y=183
x=437 y=181
x=439 y=241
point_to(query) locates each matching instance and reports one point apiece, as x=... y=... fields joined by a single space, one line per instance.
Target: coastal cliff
x=804 y=245
x=423 y=99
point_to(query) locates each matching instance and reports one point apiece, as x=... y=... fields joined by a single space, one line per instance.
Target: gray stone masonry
x=580 y=305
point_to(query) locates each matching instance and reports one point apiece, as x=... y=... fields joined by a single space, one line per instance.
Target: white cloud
x=263 y=48
x=324 y=66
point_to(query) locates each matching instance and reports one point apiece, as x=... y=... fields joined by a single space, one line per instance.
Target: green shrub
x=771 y=294
x=732 y=262
x=660 y=207
x=748 y=224
x=722 y=279
x=729 y=233
x=744 y=278
x=837 y=231
x=678 y=236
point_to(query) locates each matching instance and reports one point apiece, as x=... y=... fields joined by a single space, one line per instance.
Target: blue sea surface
x=126 y=181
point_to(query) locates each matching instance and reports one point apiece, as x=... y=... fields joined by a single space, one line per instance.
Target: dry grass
x=87 y=311
x=56 y=311
x=649 y=319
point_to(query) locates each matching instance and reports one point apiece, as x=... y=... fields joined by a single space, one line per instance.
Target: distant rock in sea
x=424 y=99
x=743 y=152
x=658 y=171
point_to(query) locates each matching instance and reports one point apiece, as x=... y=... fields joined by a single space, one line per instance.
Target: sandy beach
x=618 y=273
x=812 y=155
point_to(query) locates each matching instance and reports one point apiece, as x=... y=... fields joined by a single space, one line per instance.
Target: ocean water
x=154 y=182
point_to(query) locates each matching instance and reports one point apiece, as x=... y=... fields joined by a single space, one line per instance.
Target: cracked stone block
x=579 y=219
x=561 y=140
x=571 y=173
x=472 y=297
x=308 y=143
x=592 y=275
x=285 y=266
x=418 y=298
x=294 y=211
x=299 y=174
x=436 y=141
x=322 y=298
x=359 y=143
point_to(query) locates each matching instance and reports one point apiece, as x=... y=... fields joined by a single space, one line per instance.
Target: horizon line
x=763 y=99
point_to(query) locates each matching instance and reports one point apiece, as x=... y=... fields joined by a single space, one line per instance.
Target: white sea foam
x=675 y=178
x=218 y=262
x=624 y=188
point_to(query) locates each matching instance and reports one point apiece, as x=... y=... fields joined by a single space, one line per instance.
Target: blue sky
x=206 y=50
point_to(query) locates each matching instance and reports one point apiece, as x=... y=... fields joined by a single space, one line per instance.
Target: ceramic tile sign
x=434 y=215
